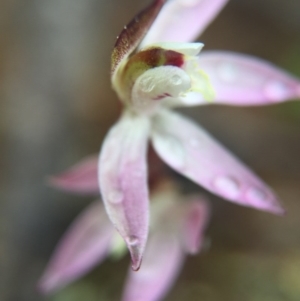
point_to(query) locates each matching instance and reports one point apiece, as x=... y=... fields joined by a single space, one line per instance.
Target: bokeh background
x=56 y=105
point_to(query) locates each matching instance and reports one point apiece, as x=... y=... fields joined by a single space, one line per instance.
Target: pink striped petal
x=244 y=80
x=123 y=181
x=195 y=222
x=183 y=20
x=81 y=178
x=161 y=264
x=85 y=244
x=192 y=152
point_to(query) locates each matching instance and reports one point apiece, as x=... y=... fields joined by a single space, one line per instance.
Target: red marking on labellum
x=155 y=57
x=159 y=97
x=174 y=58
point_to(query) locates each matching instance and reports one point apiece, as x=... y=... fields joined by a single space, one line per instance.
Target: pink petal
x=123 y=181
x=81 y=178
x=183 y=20
x=161 y=264
x=195 y=222
x=85 y=244
x=192 y=152
x=244 y=80
x=133 y=33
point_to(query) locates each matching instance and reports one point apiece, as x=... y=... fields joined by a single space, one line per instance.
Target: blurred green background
x=56 y=106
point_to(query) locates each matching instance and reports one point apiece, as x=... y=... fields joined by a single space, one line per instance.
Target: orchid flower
x=155 y=67
x=177 y=227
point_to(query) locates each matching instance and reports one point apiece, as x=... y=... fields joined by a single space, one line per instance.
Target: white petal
x=245 y=80
x=85 y=244
x=182 y=20
x=123 y=181
x=192 y=152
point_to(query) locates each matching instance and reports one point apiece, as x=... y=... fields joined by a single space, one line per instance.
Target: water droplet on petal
x=176 y=80
x=275 y=90
x=115 y=197
x=256 y=195
x=228 y=72
x=227 y=186
x=132 y=240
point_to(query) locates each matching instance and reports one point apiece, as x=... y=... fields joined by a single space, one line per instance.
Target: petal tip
x=61 y=182
x=274 y=207
x=136 y=252
x=135 y=266
x=55 y=181
x=195 y=250
x=279 y=210
x=48 y=284
x=81 y=178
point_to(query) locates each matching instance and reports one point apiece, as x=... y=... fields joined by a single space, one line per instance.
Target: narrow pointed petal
x=194 y=224
x=81 y=178
x=183 y=20
x=85 y=244
x=194 y=153
x=161 y=264
x=133 y=33
x=244 y=80
x=123 y=181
